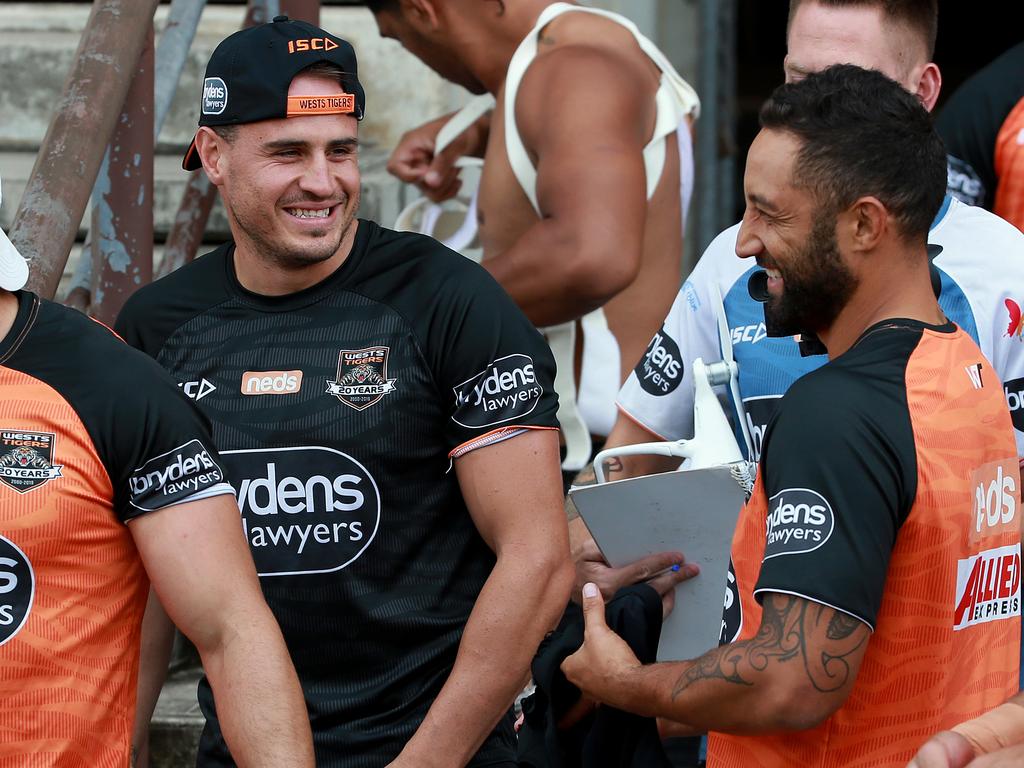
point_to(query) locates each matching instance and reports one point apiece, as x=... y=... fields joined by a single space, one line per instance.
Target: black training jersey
x=338 y=411
x=888 y=490
x=92 y=434
x=982 y=126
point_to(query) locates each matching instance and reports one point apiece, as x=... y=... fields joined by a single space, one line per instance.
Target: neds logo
x=995 y=495
x=661 y=368
x=17 y=589
x=304 y=510
x=1014 y=391
x=506 y=389
x=271 y=382
x=799 y=520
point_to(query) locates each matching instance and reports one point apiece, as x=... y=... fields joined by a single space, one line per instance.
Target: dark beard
x=816 y=287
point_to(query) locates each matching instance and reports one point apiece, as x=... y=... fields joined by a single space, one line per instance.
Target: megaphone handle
x=676 y=448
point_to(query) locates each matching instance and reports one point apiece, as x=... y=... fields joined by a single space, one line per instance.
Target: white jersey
x=982 y=271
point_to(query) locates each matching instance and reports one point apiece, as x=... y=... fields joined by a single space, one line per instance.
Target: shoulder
x=407 y=266
x=155 y=311
x=972 y=233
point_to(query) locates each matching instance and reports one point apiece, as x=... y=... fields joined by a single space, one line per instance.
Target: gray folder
x=693 y=512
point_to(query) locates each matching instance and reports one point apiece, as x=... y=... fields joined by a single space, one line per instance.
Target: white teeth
x=303 y=213
x=774 y=273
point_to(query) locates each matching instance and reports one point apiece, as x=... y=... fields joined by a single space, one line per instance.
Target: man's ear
x=211 y=149
x=863 y=225
x=928 y=85
x=422 y=12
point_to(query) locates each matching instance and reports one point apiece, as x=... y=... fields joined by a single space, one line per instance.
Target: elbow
x=597 y=273
x=798 y=709
x=554 y=576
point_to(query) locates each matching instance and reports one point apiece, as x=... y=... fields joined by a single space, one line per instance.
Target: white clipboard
x=693 y=512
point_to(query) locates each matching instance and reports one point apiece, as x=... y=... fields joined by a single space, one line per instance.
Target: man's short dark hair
x=922 y=16
x=863 y=134
x=376 y=6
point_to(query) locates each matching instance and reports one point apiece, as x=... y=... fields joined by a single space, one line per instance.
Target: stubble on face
x=817 y=284
x=319 y=244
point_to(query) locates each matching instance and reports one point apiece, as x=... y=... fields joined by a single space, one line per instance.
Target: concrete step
x=177 y=723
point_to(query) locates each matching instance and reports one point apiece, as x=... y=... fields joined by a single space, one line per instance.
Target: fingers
x=593 y=607
x=944 y=750
x=665 y=582
x=651 y=566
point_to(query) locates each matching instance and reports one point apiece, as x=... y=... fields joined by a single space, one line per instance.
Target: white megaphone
x=713 y=443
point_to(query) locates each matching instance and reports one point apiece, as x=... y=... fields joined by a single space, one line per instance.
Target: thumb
x=593 y=606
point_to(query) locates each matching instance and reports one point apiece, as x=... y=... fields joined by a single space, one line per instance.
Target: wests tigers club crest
x=362 y=377
x=26 y=459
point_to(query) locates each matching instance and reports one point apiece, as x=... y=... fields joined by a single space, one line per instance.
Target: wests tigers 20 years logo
x=362 y=378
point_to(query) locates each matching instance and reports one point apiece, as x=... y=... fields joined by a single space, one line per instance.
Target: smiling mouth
x=310 y=213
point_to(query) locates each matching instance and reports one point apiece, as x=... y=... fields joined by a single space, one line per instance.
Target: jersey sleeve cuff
x=490 y=438
x=214 y=490
x=639 y=422
x=819 y=601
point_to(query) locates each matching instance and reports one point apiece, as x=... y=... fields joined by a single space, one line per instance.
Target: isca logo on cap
x=215 y=96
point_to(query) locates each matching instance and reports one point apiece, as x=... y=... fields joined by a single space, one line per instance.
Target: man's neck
x=495 y=47
x=904 y=290
x=8 y=312
x=260 y=275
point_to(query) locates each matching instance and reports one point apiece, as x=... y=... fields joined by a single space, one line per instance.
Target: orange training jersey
x=889 y=490
x=92 y=434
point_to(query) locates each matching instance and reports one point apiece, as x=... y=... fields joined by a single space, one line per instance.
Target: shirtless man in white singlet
x=583 y=192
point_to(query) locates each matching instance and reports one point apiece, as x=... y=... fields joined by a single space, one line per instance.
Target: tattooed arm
x=792 y=675
x=590 y=564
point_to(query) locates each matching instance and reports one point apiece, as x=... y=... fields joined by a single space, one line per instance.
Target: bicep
x=198 y=562
x=513 y=491
x=590 y=170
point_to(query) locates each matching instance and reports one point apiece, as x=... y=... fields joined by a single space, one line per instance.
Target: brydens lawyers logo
x=661 y=368
x=362 y=377
x=17 y=589
x=1016 y=327
x=799 y=520
x=1014 y=392
x=506 y=389
x=26 y=459
x=987 y=587
x=215 y=96
x=307 y=509
x=174 y=476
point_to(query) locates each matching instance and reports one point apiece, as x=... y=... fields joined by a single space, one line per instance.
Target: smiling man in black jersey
x=385 y=413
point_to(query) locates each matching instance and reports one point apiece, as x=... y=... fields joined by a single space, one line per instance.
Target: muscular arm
x=582 y=116
x=793 y=674
x=201 y=569
x=514 y=494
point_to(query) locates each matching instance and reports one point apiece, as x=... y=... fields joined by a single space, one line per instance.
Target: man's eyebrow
x=795 y=69
x=762 y=202
x=286 y=143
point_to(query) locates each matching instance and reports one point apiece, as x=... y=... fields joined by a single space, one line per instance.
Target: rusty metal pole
x=58 y=189
x=304 y=10
x=122 y=211
x=186 y=233
x=171 y=52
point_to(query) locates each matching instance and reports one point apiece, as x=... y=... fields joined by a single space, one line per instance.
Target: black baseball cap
x=249 y=73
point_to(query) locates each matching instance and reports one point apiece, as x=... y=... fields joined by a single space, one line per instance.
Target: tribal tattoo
x=792 y=628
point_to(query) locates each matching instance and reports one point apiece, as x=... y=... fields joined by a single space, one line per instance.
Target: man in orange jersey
x=877 y=563
x=107 y=476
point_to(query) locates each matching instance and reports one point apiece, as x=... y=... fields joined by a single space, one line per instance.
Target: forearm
x=156 y=645
x=551 y=273
x=262 y=714
x=521 y=601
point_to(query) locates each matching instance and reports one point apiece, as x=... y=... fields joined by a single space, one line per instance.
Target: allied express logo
x=26 y=459
x=17 y=589
x=362 y=377
x=987 y=587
